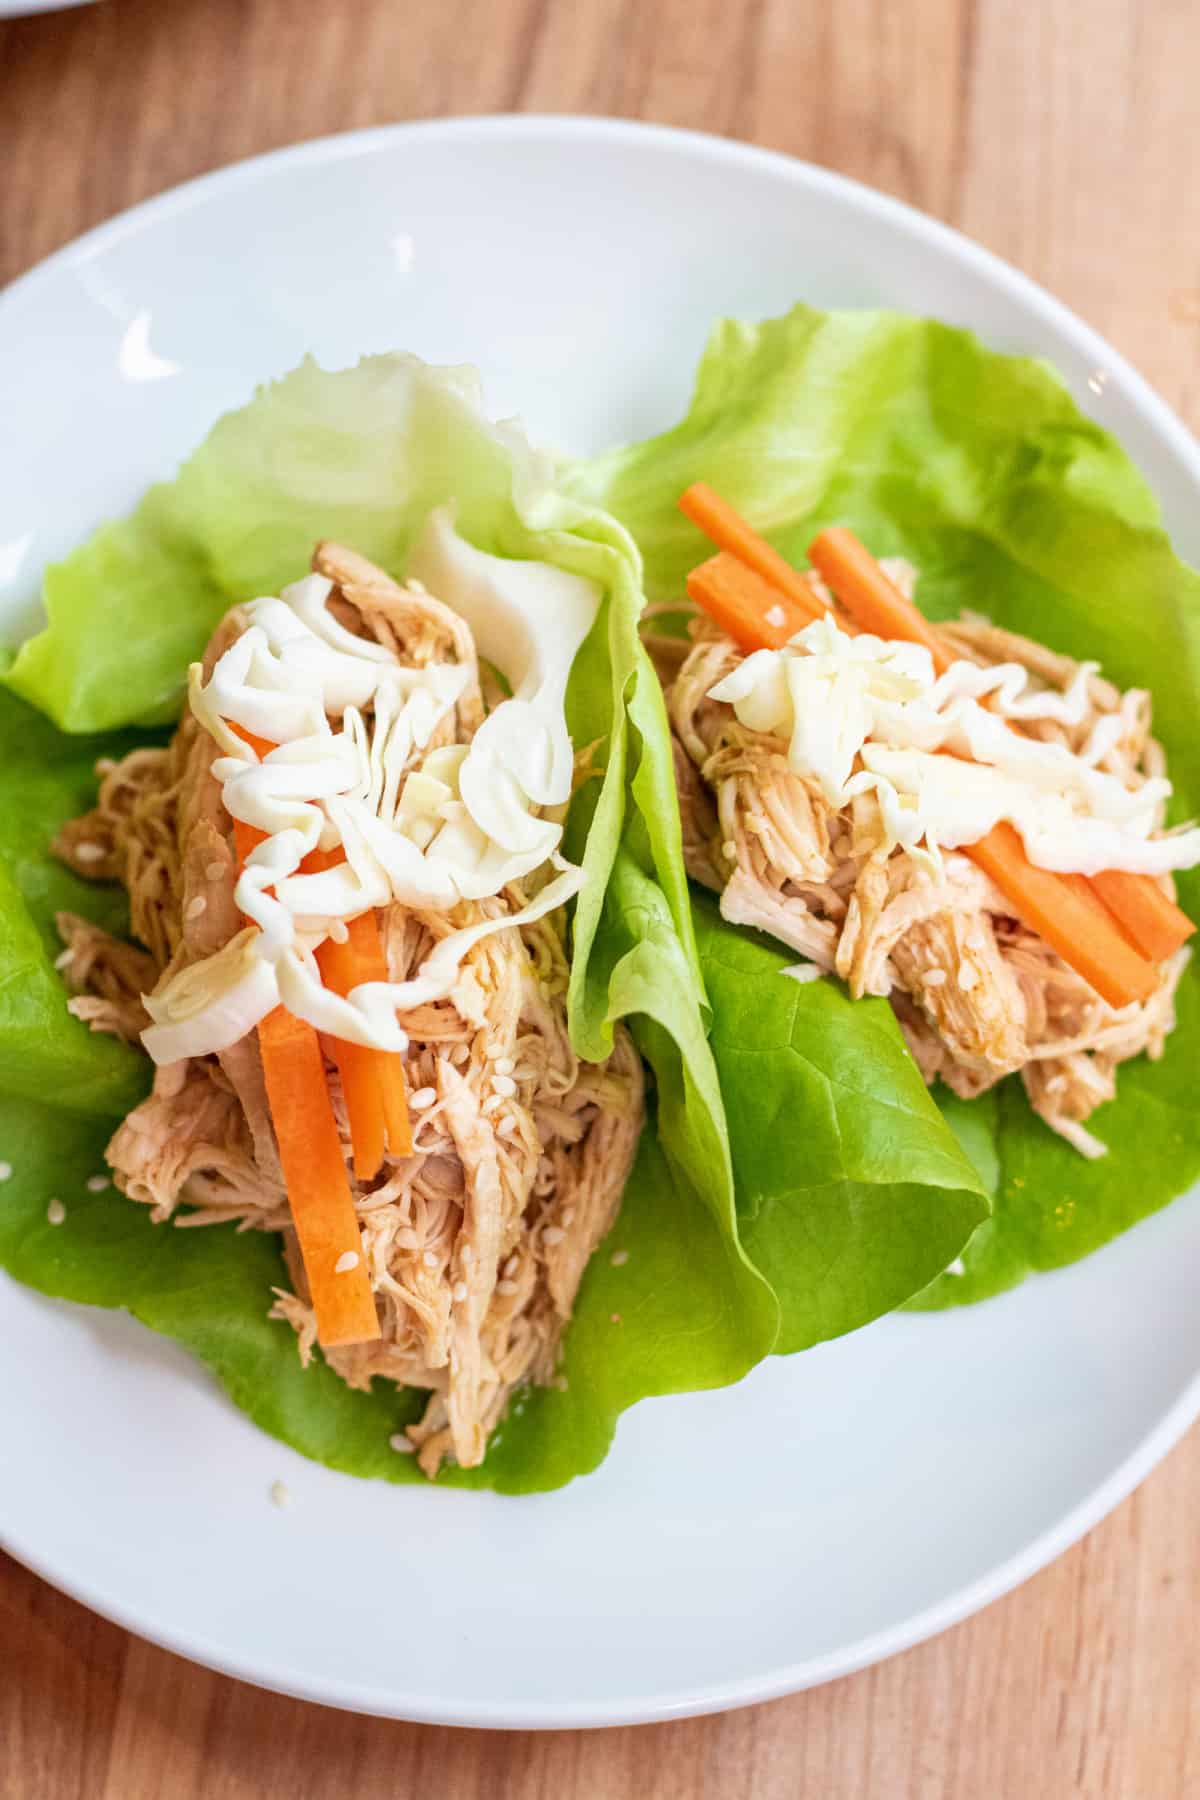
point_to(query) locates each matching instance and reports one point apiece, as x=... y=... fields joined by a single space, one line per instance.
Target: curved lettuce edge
x=363 y=455
x=980 y=469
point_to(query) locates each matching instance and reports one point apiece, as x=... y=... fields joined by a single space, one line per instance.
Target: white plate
x=20 y=9
x=835 y=1507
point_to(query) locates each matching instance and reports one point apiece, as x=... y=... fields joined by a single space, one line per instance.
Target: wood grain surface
x=1061 y=133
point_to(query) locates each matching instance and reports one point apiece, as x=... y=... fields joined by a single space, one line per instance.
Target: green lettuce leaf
x=664 y=1318
x=981 y=470
x=44 y=777
x=850 y=1188
x=363 y=455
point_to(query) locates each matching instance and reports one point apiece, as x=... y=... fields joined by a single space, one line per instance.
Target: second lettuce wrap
x=981 y=470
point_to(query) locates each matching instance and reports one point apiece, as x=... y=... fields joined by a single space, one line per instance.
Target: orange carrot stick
x=752 y=611
x=1076 y=927
x=1063 y=910
x=318 y=1190
x=245 y=839
x=729 y=531
x=372 y=1080
x=1155 y=924
x=874 y=601
x=1151 y=922
x=310 y=1154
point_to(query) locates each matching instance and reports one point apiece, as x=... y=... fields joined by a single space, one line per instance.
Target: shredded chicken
x=106 y=976
x=978 y=996
x=475 y=1244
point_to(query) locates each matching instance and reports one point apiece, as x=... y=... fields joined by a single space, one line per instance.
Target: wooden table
x=1061 y=133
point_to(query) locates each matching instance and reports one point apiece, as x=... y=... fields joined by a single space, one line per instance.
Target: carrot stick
x=1155 y=924
x=245 y=839
x=1076 y=927
x=1063 y=910
x=310 y=1154
x=356 y=1064
x=372 y=1080
x=260 y=746
x=318 y=1190
x=729 y=531
x=865 y=591
x=1151 y=922
x=752 y=611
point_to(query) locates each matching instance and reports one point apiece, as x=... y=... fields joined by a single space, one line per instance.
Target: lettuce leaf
x=849 y=1186
x=980 y=468
x=676 y=1324
x=363 y=455
x=45 y=777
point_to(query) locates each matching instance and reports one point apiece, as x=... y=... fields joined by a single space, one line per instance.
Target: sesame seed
x=553 y=1234
x=569 y=1216
x=934 y=978
x=279 y=1494
x=346 y=1261
x=402 y=1445
x=775 y=616
x=86 y=853
x=504 y=1085
x=459 y=1291
x=56 y=1212
x=64 y=958
x=507 y=1127
x=460 y=1053
x=5 y=1171
x=415 y=587
x=619 y=1258
x=506 y=1287
x=213 y=871
x=195 y=906
x=422 y=1098
x=512 y=1265
x=729 y=850
x=96 y=1184
x=505 y=1065
x=968 y=977
x=491 y=1104
x=430 y=1260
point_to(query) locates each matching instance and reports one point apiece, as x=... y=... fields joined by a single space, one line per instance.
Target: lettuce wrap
x=763 y=1214
x=982 y=472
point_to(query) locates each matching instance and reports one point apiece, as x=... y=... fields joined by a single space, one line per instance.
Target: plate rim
x=722 y=1696
x=1171 y=1425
